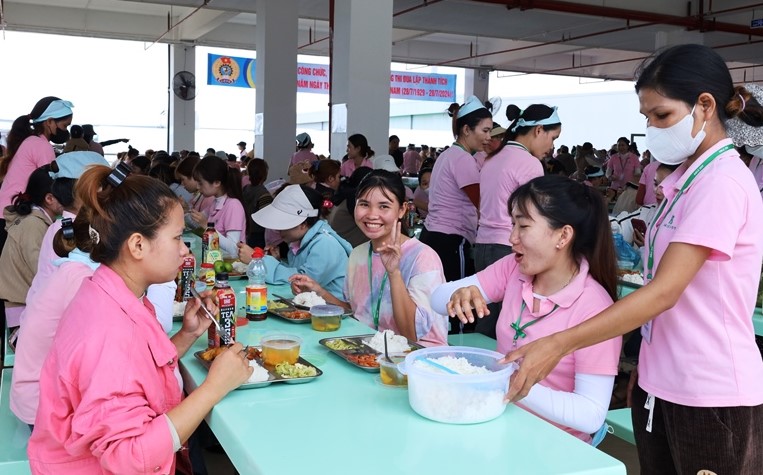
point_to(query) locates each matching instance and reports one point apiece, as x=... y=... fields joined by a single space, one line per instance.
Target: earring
x=559 y=246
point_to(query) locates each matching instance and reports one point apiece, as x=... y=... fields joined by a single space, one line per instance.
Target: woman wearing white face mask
x=698 y=404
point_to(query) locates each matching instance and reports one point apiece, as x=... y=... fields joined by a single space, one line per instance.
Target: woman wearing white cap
x=29 y=147
x=454 y=192
x=314 y=248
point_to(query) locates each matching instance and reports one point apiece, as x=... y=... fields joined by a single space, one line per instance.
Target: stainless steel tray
x=360 y=348
x=274 y=377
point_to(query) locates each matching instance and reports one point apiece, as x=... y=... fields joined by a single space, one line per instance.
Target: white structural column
x=182 y=113
x=276 y=80
x=360 y=71
x=476 y=83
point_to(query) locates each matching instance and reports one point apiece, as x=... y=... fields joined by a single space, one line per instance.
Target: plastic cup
x=280 y=347
x=326 y=318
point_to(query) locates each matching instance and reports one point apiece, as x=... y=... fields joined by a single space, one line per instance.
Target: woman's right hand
x=304 y=283
x=229 y=370
x=464 y=302
x=199 y=218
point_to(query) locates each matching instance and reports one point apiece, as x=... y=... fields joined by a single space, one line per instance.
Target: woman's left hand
x=536 y=360
x=195 y=321
x=390 y=252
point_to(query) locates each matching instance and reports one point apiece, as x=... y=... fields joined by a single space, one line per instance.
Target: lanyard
x=656 y=220
x=375 y=307
x=519 y=329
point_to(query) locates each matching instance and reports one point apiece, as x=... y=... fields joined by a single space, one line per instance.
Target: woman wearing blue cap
x=454 y=191
x=29 y=147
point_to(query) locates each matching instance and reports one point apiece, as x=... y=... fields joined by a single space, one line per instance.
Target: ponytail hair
x=22 y=128
x=745 y=106
x=471 y=120
x=37 y=189
x=138 y=204
x=534 y=112
x=212 y=168
x=360 y=140
x=562 y=201
x=81 y=240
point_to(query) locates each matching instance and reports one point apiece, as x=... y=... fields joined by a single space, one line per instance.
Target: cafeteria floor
x=218 y=463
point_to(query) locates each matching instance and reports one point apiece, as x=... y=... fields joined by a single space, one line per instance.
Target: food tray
x=273 y=376
x=236 y=276
x=284 y=312
x=631 y=285
x=361 y=349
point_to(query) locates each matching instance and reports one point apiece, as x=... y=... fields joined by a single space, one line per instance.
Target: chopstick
x=195 y=293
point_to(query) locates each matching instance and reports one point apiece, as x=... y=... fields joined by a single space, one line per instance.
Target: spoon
x=386 y=354
x=209 y=315
x=437 y=365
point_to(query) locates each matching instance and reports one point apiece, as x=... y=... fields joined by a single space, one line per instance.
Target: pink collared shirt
x=228 y=215
x=702 y=351
x=105 y=386
x=580 y=300
x=411 y=161
x=756 y=167
x=303 y=155
x=647 y=179
x=34 y=152
x=349 y=166
x=450 y=209
x=623 y=168
x=503 y=173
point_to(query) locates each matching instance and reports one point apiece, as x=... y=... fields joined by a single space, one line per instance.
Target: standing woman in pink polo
x=623 y=165
x=698 y=404
x=223 y=183
x=29 y=147
x=454 y=190
x=110 y=396
x=516 y=161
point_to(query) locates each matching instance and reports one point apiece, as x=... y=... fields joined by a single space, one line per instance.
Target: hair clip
x=67 y=227
x=328 y=204
x=119 y=174
x=95 y=236
x=744 y=103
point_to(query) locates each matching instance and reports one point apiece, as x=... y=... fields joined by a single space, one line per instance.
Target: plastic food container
x=280 y=347
x=457 y=398
x=326 y=318
x=389 y=373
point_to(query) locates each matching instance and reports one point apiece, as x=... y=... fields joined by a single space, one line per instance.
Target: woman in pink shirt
x=359 y=154
x=110 y=396
x=623 y=165
x=29 y=147
x=562 y=272
x=698 y=404
x=513 y=163
x=222 y=183
x=199 y=203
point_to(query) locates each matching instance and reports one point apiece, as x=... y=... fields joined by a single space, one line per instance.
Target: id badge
x=646 y=331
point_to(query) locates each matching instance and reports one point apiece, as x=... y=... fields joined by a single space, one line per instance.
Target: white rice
x=633 y=279
x=395 y=343
x=455 y=402
x=259 y=374
x=309 y=299
x=459 y=365
x=239 y=267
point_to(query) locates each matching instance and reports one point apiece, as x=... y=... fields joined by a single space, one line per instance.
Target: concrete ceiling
x=596 y=38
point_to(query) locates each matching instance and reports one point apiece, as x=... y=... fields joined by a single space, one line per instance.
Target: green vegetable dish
x=297 y=370
x=340 y=345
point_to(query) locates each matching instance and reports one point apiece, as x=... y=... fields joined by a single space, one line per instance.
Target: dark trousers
x=484 y=256
x=685 y=440
x=455 y=253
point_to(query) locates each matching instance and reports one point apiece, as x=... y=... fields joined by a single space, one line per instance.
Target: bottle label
x=226 y=304
x=256 y=299
x=185 y=279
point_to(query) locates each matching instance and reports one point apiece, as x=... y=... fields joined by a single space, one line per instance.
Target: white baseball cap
x=289 y=209
x=385 y=162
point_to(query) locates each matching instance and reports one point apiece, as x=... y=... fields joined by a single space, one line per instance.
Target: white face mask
x=673 y=145
x=757 y=151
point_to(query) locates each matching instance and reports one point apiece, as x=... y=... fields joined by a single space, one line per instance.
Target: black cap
x=222 y=276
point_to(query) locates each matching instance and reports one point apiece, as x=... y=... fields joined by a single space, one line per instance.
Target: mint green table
x=14 y=433
x=347 y=422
